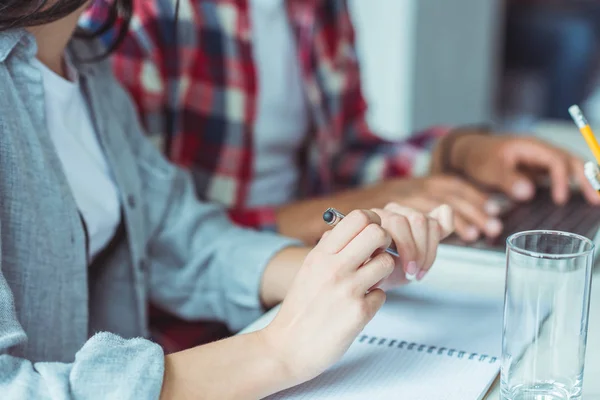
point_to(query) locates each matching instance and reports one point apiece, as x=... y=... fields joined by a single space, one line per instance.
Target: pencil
x=586 y=131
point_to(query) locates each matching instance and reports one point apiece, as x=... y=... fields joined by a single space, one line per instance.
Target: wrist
x=455 y=148
x=459 y=153
x=247 y=360
x=277 y=360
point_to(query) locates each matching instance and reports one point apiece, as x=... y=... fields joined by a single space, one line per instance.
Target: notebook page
x=404 y=353
x=421 y=314
x=379 y=372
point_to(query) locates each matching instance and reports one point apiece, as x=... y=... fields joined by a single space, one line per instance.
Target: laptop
x=575 y=217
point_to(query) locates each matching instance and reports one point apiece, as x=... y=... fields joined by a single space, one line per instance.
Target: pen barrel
x=392 y=250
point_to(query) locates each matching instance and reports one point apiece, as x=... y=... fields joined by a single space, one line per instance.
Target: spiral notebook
x=422 y=345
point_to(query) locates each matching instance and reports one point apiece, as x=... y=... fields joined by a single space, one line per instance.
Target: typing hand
x=335 y=294
x=514 y=164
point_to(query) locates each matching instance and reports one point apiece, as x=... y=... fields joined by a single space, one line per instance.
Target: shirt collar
x=17 y=39
x=22 y=41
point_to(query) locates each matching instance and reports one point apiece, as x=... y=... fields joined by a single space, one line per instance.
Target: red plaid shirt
x=216 y=103
x=217 y=97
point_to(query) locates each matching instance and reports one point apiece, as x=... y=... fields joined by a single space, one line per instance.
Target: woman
x=94 y=223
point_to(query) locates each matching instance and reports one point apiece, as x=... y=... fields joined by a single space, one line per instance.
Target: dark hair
x=23 y=13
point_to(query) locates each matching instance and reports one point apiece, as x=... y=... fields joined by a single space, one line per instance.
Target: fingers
x=476 y=218
x=346 y=230
x=422 y=203
x=436 y=209
x=590 y=194
x=516 y=185
x=433 y=241
x=373 y=302
x=419 y=228
x=445 y=216
x=463 y=189
x=474 y=210
x=397 y=277
x=362 y=247
x=464 y=229
x=461 y=220
x=424 y=241
x=534 y=153
x=374 y=271
x=559 y=175
x=399 y=228
x=468 y=220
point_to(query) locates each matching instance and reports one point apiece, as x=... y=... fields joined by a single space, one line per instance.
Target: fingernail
x=411 y=268
x=493 y=227
x=492 y=208
x=523 y=190
x=420 y=275
x=562 y=198
x=472 y=233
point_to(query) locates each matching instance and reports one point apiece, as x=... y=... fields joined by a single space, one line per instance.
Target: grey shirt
x=67 y=332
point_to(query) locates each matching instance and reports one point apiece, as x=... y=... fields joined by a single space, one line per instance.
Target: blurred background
x=518 y=63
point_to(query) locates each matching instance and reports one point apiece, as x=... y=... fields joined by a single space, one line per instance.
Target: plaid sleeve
x=367 y=158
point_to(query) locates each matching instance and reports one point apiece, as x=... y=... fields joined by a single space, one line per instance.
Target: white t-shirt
x=282 y=118
x=73 y=134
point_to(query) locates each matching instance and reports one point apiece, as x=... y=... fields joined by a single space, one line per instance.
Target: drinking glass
x=546 y=306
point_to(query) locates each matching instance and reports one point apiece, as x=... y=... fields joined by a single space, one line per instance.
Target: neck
x=52 y=40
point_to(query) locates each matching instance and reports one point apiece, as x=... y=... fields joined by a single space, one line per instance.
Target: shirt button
x=131 y=201
x=143 y=265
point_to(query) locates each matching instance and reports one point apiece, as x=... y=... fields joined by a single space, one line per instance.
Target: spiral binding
x=429 y=349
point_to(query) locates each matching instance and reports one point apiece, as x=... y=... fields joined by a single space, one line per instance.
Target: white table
x=489 y=280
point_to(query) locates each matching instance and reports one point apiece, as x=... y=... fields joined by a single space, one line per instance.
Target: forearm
x=240 y=367
x=303 y=219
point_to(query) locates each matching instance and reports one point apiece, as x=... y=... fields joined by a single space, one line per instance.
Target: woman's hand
x=335 y=293
x=416 y=236
x=475 y=214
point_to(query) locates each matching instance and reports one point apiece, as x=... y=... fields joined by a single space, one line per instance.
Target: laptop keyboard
x=577 y=216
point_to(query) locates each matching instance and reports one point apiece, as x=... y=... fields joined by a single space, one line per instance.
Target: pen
x=332 y=217
x=586 y=130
